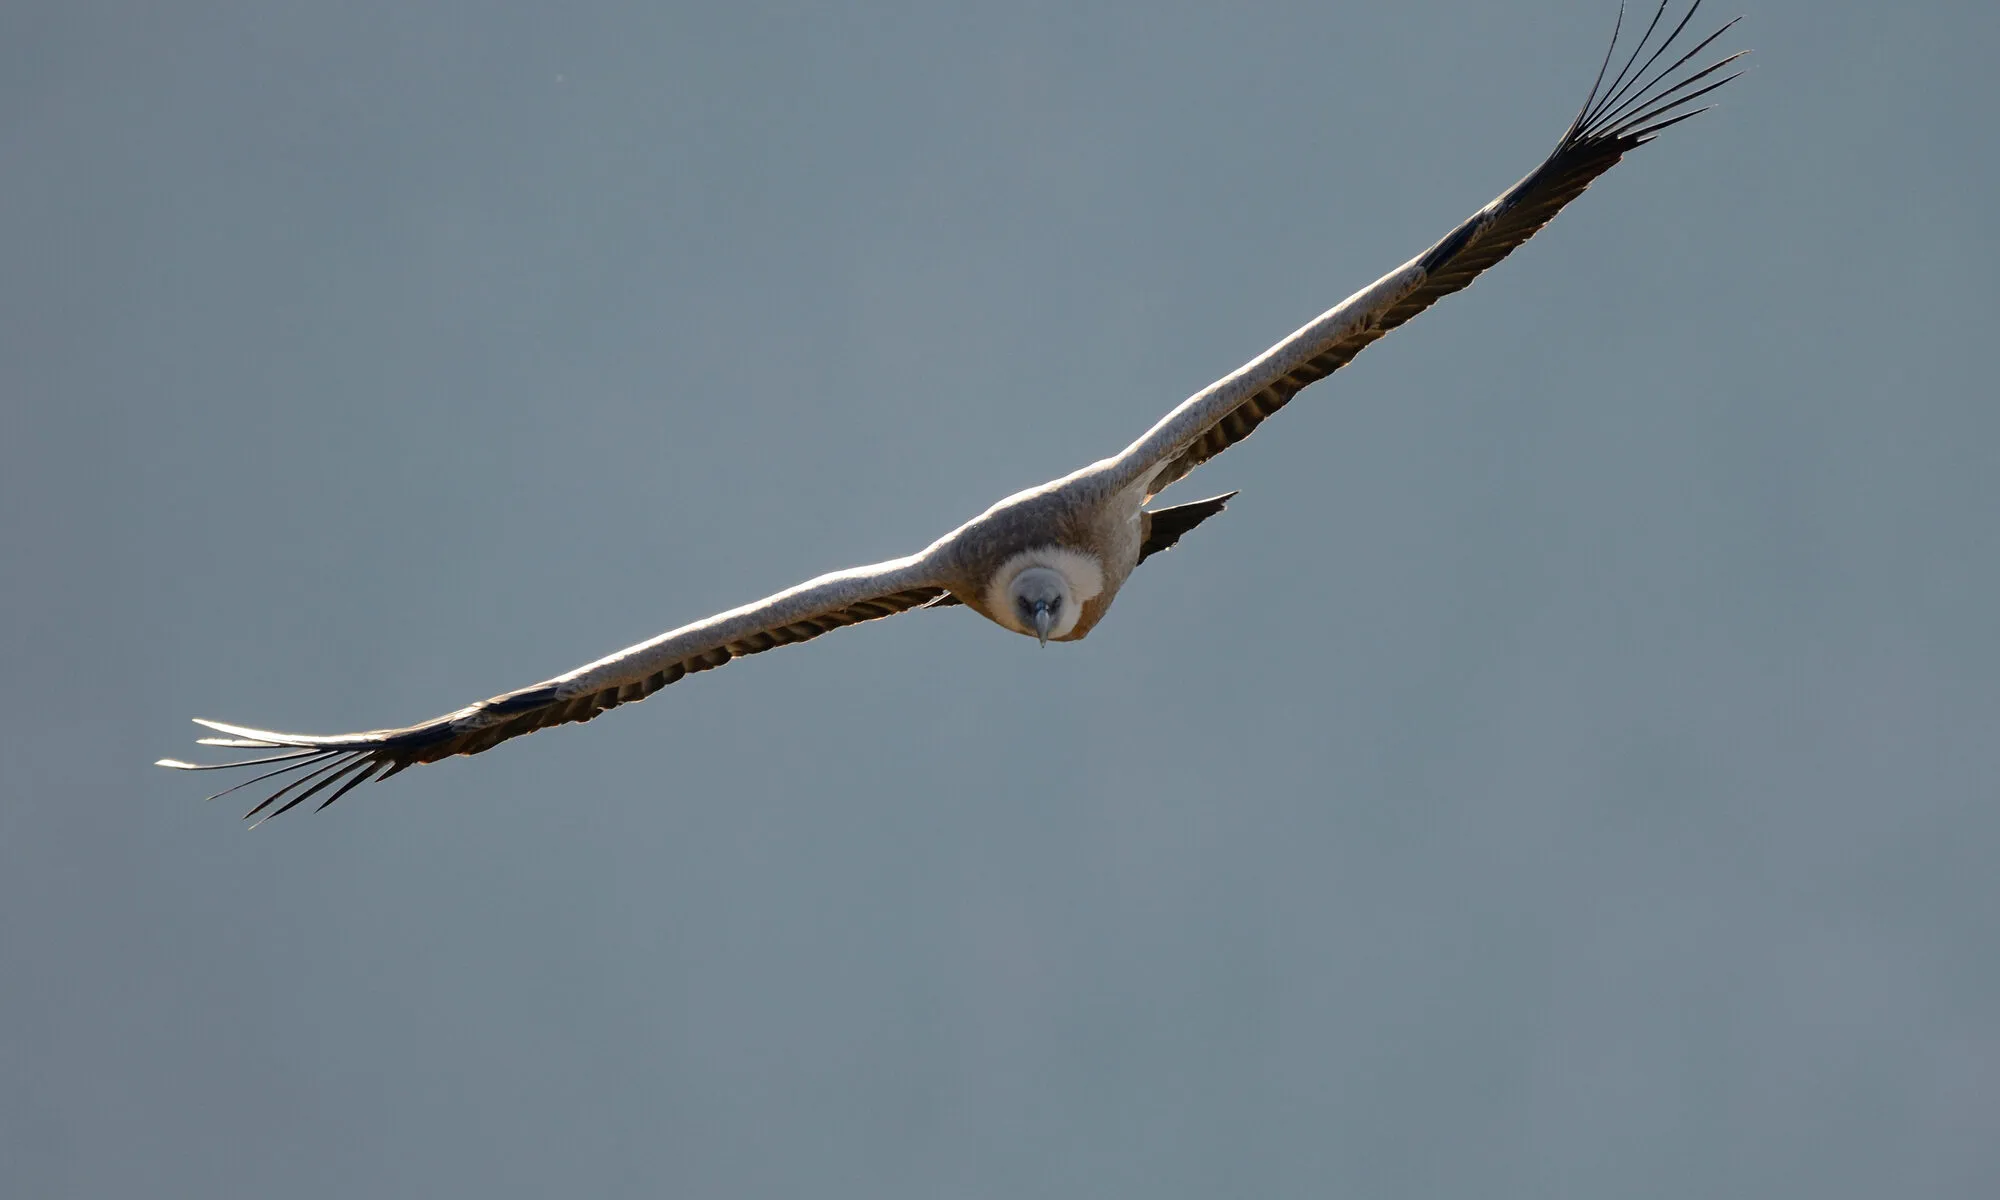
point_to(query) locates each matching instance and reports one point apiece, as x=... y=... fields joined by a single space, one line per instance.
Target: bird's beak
x=1042 y=622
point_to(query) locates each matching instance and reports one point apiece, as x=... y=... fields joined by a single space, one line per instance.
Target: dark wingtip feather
x=1627 y=78
x=319 y=771
x=316 y=761
x=1617 y=27
x=301 y=764
x=1647 y=134
x=178 y=765
x=1665 y=103
x=1638 y=96
x=340 y=771
x=350 y=785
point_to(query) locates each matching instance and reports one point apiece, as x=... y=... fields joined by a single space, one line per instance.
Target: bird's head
x=1041 y=602
x=1042 y=591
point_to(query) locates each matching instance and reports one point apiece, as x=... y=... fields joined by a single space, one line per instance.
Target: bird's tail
x=1164 y=526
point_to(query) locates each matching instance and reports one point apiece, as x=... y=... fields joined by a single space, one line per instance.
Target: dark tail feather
x=1164 y=526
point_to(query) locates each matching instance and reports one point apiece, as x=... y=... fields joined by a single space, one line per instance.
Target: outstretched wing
x=344 y=761
x=1636 y=104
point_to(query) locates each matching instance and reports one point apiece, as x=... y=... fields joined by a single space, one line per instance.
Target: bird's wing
x=340 y=762
x=1640 y=101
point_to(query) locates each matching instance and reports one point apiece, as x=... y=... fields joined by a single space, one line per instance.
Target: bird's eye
x=1055 y=603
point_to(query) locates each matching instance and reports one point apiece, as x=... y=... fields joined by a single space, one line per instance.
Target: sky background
x=1568 y=768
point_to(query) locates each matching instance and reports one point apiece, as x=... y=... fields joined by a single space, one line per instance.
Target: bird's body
x=1047 y=562
x=1080 y=527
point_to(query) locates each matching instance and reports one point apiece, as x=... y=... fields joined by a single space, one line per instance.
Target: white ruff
x=1082 y=572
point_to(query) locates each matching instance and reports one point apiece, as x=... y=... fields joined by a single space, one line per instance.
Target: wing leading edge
x=1641 y=100
x=342 y=762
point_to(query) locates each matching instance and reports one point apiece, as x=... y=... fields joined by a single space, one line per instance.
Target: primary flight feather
x=1046 y=562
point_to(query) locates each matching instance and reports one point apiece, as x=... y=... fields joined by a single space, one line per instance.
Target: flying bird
x=1046 y=562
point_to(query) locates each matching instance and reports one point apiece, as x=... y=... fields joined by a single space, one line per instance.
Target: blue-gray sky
x=1567 y=769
